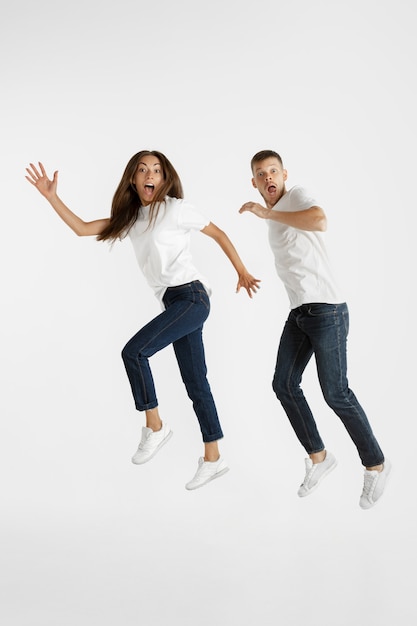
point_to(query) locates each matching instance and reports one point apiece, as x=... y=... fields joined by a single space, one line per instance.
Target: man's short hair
x=265 y=154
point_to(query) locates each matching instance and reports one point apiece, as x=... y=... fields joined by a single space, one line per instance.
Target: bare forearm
x=312 y=219
x=228 y=248
x=245 y=280
x=72 y=220
x=37 y=176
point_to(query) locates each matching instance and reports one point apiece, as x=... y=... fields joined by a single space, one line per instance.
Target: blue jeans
x=322 y=330
x=186 y=309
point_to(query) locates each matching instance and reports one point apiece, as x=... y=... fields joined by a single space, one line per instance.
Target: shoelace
x=144 y=445
x=309 y=475
x=204 y=469
x=369 y=484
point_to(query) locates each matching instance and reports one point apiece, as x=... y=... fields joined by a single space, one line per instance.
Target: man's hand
x=256 y=209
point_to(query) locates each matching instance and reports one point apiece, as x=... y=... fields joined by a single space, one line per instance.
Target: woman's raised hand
x=40 y=180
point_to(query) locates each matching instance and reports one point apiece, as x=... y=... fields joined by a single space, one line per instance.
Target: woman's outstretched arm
x=48 y=188
x=246 y=280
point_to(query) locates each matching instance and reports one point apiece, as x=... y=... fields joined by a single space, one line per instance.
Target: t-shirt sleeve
x=192 y=219
x=300 y=199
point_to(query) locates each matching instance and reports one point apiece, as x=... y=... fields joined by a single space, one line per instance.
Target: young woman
x=148 y=206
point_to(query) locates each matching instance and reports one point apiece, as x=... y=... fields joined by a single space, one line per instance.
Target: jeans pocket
x=202 y=297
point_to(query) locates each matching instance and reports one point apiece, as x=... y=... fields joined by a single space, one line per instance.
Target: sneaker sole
x=163 y=442
x=221 y=473
x=326 y=473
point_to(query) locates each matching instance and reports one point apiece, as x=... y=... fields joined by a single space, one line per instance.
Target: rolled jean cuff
x=147 y=407
x=211 y=438
x=374 y=464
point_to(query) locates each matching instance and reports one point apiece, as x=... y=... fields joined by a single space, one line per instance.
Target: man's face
x=269 y=179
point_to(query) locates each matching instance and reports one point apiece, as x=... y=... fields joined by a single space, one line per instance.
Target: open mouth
x=148 y=192
x=149 y=189
x=271 y=188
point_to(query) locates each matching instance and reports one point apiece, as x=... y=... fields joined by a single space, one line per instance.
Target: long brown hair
x=125 y=206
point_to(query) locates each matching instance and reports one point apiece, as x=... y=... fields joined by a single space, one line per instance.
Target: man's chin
x=271 y=198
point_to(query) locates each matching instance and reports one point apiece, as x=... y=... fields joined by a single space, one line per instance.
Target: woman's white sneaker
x=150 y=443
x=315 y=474
x=207 y=471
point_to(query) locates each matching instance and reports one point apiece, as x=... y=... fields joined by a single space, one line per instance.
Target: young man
x=318 y=324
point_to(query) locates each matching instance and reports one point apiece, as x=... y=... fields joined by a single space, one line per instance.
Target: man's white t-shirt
x=163 y=249
x=301 y=258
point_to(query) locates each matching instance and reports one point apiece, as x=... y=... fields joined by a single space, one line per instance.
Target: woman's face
x=148 y=178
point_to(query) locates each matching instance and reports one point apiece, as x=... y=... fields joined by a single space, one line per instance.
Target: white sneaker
x=207 y=471
x=315 y=474
x=150 y=443
x=373 y=486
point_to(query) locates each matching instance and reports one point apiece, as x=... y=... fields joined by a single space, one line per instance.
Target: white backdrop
x=88 y=538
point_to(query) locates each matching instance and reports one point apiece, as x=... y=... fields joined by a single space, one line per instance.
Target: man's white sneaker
x=373 y=486
x=150 y=443
x=315 y=473
x=207 y=471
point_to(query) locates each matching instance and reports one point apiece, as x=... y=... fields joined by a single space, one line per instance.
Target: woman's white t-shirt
x=163 y=249
x=301 y=258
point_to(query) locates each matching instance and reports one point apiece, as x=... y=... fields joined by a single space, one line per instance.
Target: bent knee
x=124 y=354
x=127 y=353
x=280 y=387
x=335 y=398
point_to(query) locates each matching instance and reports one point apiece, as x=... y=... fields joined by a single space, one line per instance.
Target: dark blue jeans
x=186 y=309
x=322 y=330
